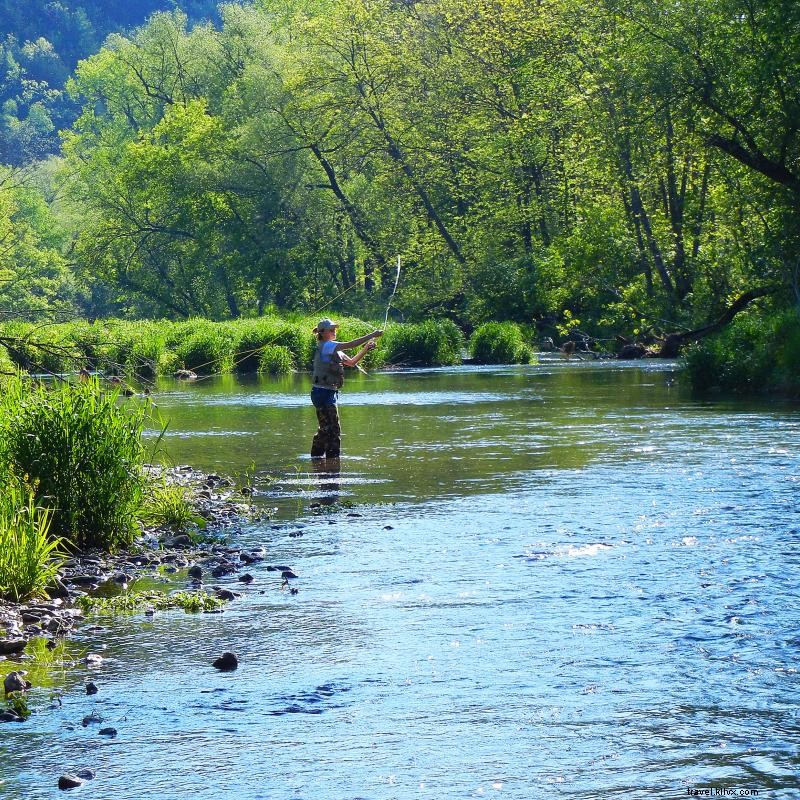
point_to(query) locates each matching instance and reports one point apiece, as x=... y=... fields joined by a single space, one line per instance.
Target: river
x=565 y=580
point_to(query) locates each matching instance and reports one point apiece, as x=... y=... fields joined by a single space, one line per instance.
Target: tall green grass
x=29 y=557
x=431 y=343
x=83 y=454
x=145 y=349
x=499 y=343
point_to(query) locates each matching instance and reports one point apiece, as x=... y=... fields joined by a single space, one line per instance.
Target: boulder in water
x=227 y=662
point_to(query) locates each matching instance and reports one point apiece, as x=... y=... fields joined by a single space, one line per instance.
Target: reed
x=274 y=359
x=431 y=343
x=169 y=505
x=29 y=557
x=500 y=343
x=83 y=454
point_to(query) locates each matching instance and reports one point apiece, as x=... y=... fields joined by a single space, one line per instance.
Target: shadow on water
x=563 y=580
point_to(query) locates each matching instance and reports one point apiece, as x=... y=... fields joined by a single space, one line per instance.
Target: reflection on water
x=556 y=581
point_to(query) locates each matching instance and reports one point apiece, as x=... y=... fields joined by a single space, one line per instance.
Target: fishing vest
x=327 y=374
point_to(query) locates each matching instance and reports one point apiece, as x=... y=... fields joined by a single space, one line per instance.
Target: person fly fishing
x=327 y=378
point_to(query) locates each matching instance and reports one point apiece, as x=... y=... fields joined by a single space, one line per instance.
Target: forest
x=617 y=171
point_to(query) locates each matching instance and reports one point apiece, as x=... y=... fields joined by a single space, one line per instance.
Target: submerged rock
x=110 y=732
x=10 y=646
x=227 y=662
x=91 y=688
x=69 y=782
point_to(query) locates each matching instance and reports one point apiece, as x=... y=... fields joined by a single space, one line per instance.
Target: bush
x=168 y=505
x=756 y=353
x=499 y=343
x=82 y=453
x=208 y=351
x=29 y=558
x=428 y=344
x=275 y=360
x=254 y=337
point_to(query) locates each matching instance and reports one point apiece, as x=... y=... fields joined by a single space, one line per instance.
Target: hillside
x=41 y=41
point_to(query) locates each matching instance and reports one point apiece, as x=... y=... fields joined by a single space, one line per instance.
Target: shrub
x=207 y=351
x=499 y=343
x=275 y=359
x=83 y=454
x=29 y=558
x=431 y=343
x=169 y=505
x=755 y=353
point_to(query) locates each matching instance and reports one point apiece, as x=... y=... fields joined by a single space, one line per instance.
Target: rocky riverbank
x=157 y=552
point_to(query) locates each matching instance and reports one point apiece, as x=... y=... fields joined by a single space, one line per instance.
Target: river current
x=567 y=580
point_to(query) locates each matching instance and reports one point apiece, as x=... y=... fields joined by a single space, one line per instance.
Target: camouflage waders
x=327 y=440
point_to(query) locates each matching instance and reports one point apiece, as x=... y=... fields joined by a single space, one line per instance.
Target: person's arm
x=352 y=361
x=357 y=342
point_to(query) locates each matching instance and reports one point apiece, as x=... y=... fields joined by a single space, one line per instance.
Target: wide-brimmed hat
x=326 y=325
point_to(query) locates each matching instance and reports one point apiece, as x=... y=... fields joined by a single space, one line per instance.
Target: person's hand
x=371 y=345
x=378 y=333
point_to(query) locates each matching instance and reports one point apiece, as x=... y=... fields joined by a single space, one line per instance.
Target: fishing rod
x=391 y=296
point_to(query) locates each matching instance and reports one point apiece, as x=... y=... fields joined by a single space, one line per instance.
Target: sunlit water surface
x=554 y=581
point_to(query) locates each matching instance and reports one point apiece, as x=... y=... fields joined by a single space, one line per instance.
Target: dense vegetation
x=42 y=42
x=611 y=169
x=271 y=345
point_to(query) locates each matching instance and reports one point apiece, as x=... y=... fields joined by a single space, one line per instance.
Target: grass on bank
x=29 y=557
x=82 y=453
x=271 y=345
x=500 y=343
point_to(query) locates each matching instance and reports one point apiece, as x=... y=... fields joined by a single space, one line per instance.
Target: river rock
x=15 y=682
x=91 y=688
x=93 y=660
x=226 y=594
x=10 y=646
x=57 y=589
x=287 y=574
x=86 y=774
x=196 y=572
x=632 y=351
x=84 y=580
x=227 y=662
x=246 y=578
x=110 y=732
x=182 y=540
x=69 y=782
x=9 y=716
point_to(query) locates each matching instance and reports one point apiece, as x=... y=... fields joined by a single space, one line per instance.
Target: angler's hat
x=326 y=325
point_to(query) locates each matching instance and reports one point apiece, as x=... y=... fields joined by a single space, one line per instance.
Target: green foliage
x=275 y=359
x=757 y=353
x=29 y=557
x=423 y=344
x=82 y=452
x=499 y=343
x=207 y=351
x=17 y=703
x=169 y=505
x=133 y=602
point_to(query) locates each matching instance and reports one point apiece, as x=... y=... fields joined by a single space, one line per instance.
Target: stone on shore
x=11 y=646
x=15 y=682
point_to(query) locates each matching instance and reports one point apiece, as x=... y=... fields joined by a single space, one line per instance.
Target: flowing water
x=562 y=580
